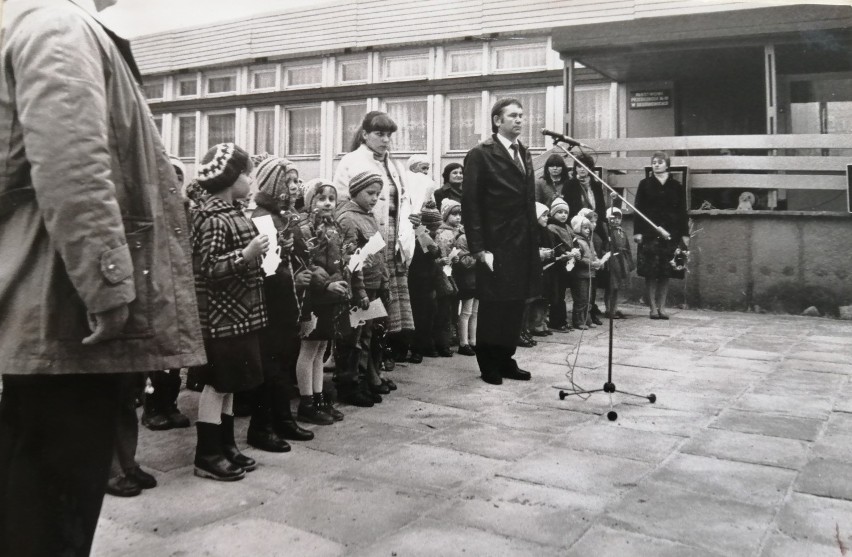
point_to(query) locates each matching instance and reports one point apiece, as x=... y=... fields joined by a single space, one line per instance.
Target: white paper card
x=448 y=269
x=489 y=260
x=605 y=257
x=359 y=316
x=272 y=257
x=374 y=245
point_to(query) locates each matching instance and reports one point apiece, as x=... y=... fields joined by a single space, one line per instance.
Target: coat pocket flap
x=116 y=264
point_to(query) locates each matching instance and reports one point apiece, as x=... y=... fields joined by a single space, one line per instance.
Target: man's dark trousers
x=498 y=328
x=56 y=444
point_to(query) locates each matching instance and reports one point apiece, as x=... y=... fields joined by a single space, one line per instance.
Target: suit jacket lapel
x=501 y=151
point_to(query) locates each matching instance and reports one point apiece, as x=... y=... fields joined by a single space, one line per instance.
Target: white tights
x=309 y=366
x=213 y=404
x=467 y=322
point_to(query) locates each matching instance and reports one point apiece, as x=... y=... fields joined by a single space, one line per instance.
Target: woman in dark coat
x=453 y=175
x=663 y=200
x=553 y=180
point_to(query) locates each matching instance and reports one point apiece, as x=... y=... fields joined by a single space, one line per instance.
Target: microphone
x=564 y=139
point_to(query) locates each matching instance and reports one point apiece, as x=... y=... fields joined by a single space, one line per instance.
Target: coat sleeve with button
x=62 y=106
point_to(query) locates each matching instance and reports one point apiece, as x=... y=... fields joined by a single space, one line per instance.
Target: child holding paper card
x=446 y=290
x=360 y=367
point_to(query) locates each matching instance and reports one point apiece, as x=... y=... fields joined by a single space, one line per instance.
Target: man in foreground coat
x=96 y=278
x=498 y=213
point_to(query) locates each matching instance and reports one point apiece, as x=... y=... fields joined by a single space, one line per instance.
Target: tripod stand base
x=608 y=387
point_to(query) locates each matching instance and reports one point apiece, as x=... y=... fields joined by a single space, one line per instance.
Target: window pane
x=351 y=116
x=464 y=123
x=405 y=67
x=353 y=70
x=188 y=87
x=534 y=115
x=186 y=136
x=221 y=128
x=532 y=56
x=153 y=90
x=264 y=80
x=410 y=118
x=305 y=75
x=224 y=84
x=264 y=131
x=592 y=113
x=465 y=62
x=304 y=131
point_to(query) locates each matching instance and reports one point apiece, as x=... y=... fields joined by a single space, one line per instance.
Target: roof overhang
x=704 y=44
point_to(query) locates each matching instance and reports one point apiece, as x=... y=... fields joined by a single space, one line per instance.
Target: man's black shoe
x=517 y=374
x=123 y=486
x=492 y=379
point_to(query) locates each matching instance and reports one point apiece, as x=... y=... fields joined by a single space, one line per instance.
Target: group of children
x=261 y=323
x=571 y=257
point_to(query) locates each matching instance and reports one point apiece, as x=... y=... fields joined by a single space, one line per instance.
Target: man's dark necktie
x=518 y=162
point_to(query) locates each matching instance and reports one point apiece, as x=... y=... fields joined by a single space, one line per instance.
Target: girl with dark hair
x=553 y=180
x=393 y=213
x=663 y=200
x=452 y=189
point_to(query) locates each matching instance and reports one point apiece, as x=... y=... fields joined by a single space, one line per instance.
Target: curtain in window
x=521 y=57
x=305 y=75
x=264 y=80
x=404 y=67
x=351 y=116
x=264 y=131
x=221 y=128
x=410 y=118
x=187 y=87
x=186 y=136
x=224 y=84
x=304 y=132
x=535 y=112
x=591 y=113
x=153 y=90
x=464 y=123
x=465 y=62
x=353 y=70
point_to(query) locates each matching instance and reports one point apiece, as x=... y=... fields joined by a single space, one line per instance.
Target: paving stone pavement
x=747 y=451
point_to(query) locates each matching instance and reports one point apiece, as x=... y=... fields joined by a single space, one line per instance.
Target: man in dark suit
x=498 y=211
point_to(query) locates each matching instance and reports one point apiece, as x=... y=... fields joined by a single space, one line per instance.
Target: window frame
x=383 y=106
x=340 y=62
x=254 y=70
x=525 y=45
x=186 y=78
x=284 y=140
x=477 y=96
x=384 y=58
x=233 y=73
x=205 y=118
x=176 y=127
x=499 y=94
x=154 y=81
x=285 y=76
x=341 y=141
x=448 y=54
x=252 y=128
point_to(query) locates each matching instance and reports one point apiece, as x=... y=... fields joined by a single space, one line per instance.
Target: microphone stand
x=608 y=387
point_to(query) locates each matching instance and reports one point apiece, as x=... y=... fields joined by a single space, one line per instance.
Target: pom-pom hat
x=559 y=204
x=359 y=182
x=447 y=206
x=430 y=216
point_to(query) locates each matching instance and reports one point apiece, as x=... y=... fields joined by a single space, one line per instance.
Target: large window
x=350 y=117
x=186 y=136
x=592 y=112
x=303 y=76
x=264 y=131
x=219 y=84
x=410 y=66
x=263 y=79
x=410 y=116
x=221 y=128
x=303 y=130
x=187 y=87
x=352 y=70
x=464 y=122
x=535 y=112
x=154 y=89
x=520 y=57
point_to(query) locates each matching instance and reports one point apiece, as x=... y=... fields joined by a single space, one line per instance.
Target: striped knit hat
x=311 y=189
x=430 y=216
x=271 y=174
x=559 y=204
x=447 y=206
x=360 y=182
x=221 y=166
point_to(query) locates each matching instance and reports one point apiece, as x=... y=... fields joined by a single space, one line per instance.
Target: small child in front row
x=563 y=239
x=584 y=271
x=464 y=273
x=620 y=262
x=226 y=254
x=355 y=217
x=446 y=289
x=329 y=300
x=536 y=309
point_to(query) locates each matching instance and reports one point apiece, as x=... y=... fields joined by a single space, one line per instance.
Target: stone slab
x=601 y=541
x=817 y=519
x=779 y=545
x=528 y=417
x=665 y=511
x=833 y=356
x=792 y=404
x=614 y=439
x=482 y=439
x=416 y=415
x=509 y=490
x=430 y=538
x=747 y=447
x=650 y=417
x=726 y=479
x=826 y=478
x=747 y=354
x=804 y=429
x=819 y=366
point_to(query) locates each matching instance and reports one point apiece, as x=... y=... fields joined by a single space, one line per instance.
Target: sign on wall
x=658 y=98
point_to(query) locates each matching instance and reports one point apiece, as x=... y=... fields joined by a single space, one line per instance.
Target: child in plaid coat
x=226 y=251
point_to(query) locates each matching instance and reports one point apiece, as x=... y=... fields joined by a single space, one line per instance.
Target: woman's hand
x=637 y=238
x=338 y=288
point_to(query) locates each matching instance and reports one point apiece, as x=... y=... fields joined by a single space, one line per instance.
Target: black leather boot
x=229 y=446
x=323 y=403
x=352 y=393
x=309 y=412
x=281 y=415
x=266 y=439
x=210 y=462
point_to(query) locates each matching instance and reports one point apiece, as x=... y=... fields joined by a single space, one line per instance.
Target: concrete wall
x=738 y=259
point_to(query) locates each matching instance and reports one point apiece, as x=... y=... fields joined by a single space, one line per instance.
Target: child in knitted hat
x=538 y=308
x=446 y=290
x=620 y=262
x=464 y=273
x=227 y=251
x=359 y=379
x=563 y=241
x=584 y=270
x=425 y=263
x=601 y=277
